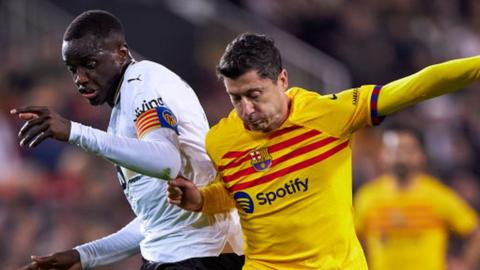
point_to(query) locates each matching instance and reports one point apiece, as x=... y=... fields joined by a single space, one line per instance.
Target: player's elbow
x=173 y=167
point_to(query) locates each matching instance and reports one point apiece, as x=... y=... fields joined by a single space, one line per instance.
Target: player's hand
x=185 y=194
x=41 y=123
x=64 y=260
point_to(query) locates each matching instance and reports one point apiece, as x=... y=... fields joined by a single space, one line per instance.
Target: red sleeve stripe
x=145 y=116
x=300 y=151
x=293 y=168
x=376 y=119
x=142 y=131
x=273 y=148
x=147 y=121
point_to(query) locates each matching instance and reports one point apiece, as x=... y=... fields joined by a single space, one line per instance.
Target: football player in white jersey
x=156 y=132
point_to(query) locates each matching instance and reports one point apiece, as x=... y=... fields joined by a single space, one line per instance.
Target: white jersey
x=156 y=132
x=153 y=100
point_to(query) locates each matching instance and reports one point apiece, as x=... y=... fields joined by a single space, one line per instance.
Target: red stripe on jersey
x=273 y=148
x=235 y=154
x=238 y=154
x=283 y=131
x=295 y=153
x=293 y=168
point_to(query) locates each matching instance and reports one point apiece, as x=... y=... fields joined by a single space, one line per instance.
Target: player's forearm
x=430 y=82
x=112 y=248
x=157 y=158
x=216 y=199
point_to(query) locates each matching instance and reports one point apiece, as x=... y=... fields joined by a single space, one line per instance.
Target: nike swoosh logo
x=333 y=97
x=135 y=79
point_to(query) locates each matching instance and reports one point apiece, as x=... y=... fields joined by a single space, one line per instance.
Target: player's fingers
x=35 y=135
x=27 y=116
x=41 y=260
x=40 y=110
x=29 y=124
x=174 y=192
x=174 y=201
x=40 y=138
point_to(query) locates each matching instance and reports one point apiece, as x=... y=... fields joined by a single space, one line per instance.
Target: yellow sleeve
x=339 y=114
x=216 y=199
x=459 y=216
x=430 y=82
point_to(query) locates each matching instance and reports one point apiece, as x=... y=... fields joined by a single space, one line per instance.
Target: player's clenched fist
x=185 y=194
x=41 y=123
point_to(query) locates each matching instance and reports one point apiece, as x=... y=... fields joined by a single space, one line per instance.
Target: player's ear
x=283 y=78
x=123 y=53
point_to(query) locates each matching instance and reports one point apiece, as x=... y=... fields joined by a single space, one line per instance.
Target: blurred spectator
x=404 y=217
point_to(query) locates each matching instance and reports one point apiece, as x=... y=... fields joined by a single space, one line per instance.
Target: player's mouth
x=87 y=93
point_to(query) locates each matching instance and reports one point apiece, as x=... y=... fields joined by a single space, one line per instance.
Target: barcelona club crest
x=260 y=159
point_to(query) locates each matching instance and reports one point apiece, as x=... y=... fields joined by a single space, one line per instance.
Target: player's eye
x=72 y=69
x=235 y=98
x=255 y=95
x=92 y=64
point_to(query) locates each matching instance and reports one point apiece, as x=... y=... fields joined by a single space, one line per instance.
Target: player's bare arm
x=41 y=123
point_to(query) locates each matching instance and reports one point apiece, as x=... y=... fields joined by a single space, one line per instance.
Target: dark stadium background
x=56 y=196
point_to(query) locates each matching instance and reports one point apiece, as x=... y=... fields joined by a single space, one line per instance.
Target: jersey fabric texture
x=292 y=186
x=152 y=97
x=408 y=228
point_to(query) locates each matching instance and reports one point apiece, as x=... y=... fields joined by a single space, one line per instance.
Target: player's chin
x=96 y=101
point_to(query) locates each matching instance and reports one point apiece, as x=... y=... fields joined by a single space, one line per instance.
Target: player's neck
x=283 y=115
x=114 y=97
x=405 y=181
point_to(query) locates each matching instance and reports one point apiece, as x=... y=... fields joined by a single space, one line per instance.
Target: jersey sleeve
x=216 y=198
x=460 y=217
x=430 y=82
x=342 y=113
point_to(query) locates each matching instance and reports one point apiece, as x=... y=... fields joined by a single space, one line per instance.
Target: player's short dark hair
x=99 y=23
x=249 y=52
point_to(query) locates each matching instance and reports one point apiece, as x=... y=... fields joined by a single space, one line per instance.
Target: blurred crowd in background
x=56 y=196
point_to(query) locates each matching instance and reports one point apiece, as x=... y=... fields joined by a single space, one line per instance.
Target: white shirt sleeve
x=112 y=248
x=156 y=155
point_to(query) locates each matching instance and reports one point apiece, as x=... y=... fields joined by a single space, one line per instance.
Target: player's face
x=402 y=153
x=260 y=102
x=96 y=66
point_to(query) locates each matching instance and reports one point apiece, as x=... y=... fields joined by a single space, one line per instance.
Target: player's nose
x=81 y=78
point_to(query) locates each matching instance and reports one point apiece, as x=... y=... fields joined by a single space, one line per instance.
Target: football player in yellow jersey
x=406 y=215
x=283 y=155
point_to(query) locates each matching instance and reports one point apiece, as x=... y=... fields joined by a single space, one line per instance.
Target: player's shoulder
x=148 y=72
x=433 y=183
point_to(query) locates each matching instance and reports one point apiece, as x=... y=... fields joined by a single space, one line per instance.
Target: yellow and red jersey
x=292 y=186
x=408 y=228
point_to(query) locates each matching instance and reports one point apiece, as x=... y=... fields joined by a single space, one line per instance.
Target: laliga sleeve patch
x=156 y=118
